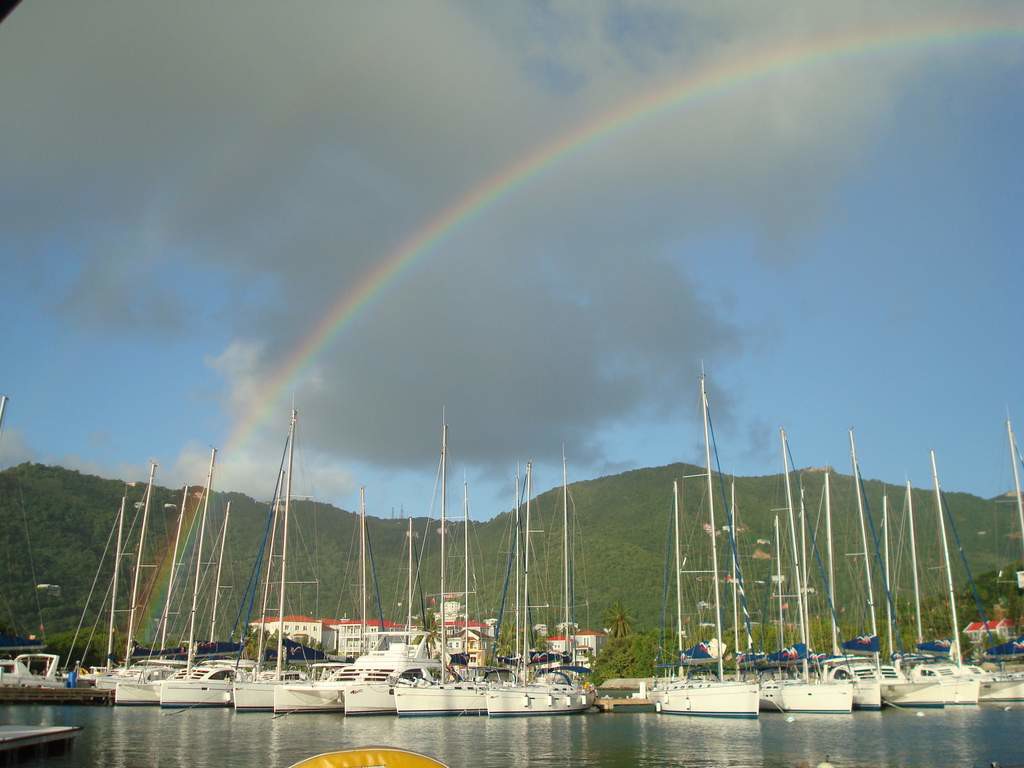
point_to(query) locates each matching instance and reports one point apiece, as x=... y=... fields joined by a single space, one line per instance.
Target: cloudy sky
x=188 y=188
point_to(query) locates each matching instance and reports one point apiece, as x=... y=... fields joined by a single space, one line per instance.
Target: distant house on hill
x=978 y=631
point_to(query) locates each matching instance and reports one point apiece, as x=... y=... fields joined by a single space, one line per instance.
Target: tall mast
x=220 y=564
x=913 y=563
x=778 y=576
x=1016 y=477
x=442 y=631
x=284 y=544
x=408 y=596
x=524 y=662
x=270 y=567
x=113 y=588
x=519 y=504
x=569 y=631
x=803 y=557
x=888 y=588
x=465 y=554
x=362 y=569
x=679 y=567
x=138 y=564
x=831 y=570
x=714 y=545
x=735 y=599
x=796 y=553
x=3 y=407
x=864 y=539
x=949 y=567
x=199 y=563
x=174 y=564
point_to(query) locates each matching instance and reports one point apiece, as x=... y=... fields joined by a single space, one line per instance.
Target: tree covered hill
x=57 y=523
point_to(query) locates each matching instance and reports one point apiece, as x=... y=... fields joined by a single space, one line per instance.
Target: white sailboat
x=802 y=694
x=709 y=696
x=555 y=691
x=418 y=698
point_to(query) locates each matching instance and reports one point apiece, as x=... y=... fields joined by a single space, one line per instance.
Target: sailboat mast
x=199 y=563
x=796 y=553
x=442 y=630
x=1016 y=477
x=113 y=588
x=913 y=563
x=949 y=567
x=465 y=555
x=270 y=567
x=220 y=565
x=831 y=569
x=138 y=563
x=408 y=597
x=519 y=504
x=735 y=598
x=174 y=563
x=888 y=588
x=803 y=562
x=569 y=630
x=778 y=577
x=362 y=568
x=679 y=567
x=3 y=407
x=864 y=539
x=284 y=545
x=714 y=531
x=524 y=661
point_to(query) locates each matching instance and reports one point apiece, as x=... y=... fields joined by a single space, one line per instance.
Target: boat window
x=224 y=674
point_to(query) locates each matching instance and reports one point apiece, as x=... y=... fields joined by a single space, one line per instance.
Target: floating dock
x=609 y=704
x=20 y=743
x=10 y=694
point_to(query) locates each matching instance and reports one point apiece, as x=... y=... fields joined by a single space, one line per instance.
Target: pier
x=24 y=695
x=611 y=704
x=20 y=743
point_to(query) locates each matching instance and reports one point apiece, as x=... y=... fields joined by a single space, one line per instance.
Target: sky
x=189 y=189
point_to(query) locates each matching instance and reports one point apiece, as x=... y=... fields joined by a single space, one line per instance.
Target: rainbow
x=712 y=80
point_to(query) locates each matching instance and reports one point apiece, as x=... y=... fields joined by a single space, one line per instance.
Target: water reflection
x=128 y=737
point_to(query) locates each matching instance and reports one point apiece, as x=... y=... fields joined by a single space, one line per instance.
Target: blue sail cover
x=750 y=658
x=549 y=657
x=796 y=652
x=214 y=648
x=699 y=654
x=138 y=652
x=459 y=659
x=294 y=652
x=509 y=661
x=863 y=644
x=18 y=643
x=936 y=647
x=1012 y=649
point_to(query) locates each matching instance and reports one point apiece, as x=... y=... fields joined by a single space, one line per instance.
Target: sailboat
x=959 y=685
x=708 y=696
x=556 y=690
x=445 y=696
x=799 y=694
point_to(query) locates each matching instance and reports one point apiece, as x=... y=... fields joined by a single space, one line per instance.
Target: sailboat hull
x=437 y=700
x=709 y=699
x=1010 y=688
x=521 y=701
x=809 y=698
x=136 y=693
x=867 y=694
x=917 y=695
x=196 y=693
x=314 y=697
x=254 y=696
x=370 y=699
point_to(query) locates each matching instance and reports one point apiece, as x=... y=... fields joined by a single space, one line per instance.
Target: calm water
x=130 y=737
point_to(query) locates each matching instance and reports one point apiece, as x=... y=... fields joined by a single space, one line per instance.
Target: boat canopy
x=701 y=653
x=1012 y=649
x=863 y=644
x=792 y=654
x=138 y=652
x=935 y=647
x=296 y=653
x=215 y=648
x=18 y=643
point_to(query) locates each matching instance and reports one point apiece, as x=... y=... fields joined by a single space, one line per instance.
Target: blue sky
x=838 y=245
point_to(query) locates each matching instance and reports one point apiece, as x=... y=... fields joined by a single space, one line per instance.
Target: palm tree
x=618 y=621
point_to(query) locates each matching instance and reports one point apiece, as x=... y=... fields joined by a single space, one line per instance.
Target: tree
x=618 y=621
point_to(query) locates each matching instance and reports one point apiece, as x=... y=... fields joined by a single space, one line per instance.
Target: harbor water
x=125 y=737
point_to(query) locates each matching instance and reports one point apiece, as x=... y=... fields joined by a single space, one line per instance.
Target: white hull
x=914 y=694
x=708 y=699
x=809 y=698
x=370 y=699
x=867 y=694
x=310 y=697
x=537 y=700
x=196 y=693
x=450 y=699
x=1002 y=689
x=254 y=696
x=137 y=693
x=962 y=690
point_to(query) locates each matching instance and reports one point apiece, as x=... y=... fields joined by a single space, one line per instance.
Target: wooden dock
x=10 y=694
x=20 y=743
x=609 y=704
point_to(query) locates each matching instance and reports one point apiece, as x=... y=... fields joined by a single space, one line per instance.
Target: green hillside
x=620 y=539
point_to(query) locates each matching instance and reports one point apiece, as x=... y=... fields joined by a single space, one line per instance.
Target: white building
x=336 y=636
x=587 y=644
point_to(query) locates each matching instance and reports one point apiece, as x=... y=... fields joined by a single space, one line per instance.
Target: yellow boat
x=370 y=757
